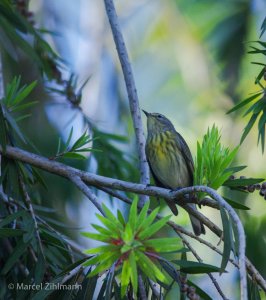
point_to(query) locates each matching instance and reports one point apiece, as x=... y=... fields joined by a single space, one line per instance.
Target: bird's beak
x=146 y=113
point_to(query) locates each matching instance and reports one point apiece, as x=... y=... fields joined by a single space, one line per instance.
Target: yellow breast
x=167 y=162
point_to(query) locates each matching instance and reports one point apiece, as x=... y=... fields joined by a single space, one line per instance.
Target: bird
x=170 y=160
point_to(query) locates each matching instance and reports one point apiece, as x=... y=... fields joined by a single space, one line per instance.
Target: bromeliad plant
x=130 y=246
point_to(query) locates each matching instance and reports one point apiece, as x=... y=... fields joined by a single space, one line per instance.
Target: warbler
x=170 y=160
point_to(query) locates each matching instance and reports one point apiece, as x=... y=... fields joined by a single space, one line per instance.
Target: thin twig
x=131 y=91
x=76 y=271
x=69 y=244
x=185 y=241
x=30 y=209
x=155 y=289
x=87 y=192
x=9 y=249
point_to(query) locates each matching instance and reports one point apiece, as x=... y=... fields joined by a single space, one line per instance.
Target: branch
x=240 y=229
x=215 y=283
x=75 y=272
x=69 y=244
x=131 y=90
x=30 y=209
x=101 y=181
x=87 y=192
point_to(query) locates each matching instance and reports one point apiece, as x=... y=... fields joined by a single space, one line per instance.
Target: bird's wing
x=187 y=154
x=158 y=183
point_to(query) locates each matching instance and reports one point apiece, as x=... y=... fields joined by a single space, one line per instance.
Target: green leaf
x=226 y=238
x=97 y=237
x=19 y=250
x=101 y=249
x=23 y=106
x=146 y=233
x=73 y=155
x=148 y=220
x=12 y=123
x=125 y=277
x=248 y=127
x=111 y=217
x=16 y=38
x=128 y=234
x=133 y=271
x=44 y=293
x=133 y=214
x=9 y=232
x=192 y=267
x=3 y=133
x=199 y=291
x=109 y=225
x=24 y=92
x=143 y=214
x=244 y=102
x=149 y=267
x=163 y=244
x=13 y=217
x=40 y=268
x=253 y=290
x=98 y=259
x=105 y=264
x=102 y=230
x=121 y=218
x=234 y=169
x=69 y=138
x=242 y=182
x=236 y=205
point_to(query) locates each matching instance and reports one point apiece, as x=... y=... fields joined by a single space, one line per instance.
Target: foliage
x=130 y=249
x=130 y=246
x=213 y=160
x=36 y=245
x=258 y=108
x=14 y=102
x=73 y=151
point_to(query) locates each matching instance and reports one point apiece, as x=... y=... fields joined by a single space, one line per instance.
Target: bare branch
x=155 y=289
x=131 y=90
x=75 y=272
x=87 y=192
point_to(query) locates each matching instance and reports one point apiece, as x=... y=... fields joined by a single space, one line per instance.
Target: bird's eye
x=160 y=116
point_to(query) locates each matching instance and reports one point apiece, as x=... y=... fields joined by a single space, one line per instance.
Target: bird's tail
x=197 y=225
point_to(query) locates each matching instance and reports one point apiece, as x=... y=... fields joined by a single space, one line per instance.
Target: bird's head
x=157 y=123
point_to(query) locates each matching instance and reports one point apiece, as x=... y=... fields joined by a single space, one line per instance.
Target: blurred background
x=190 y=63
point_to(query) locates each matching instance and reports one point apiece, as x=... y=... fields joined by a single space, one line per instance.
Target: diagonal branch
x=31 y=211
x=131 y=90
x=215 y=283
x=87 y=192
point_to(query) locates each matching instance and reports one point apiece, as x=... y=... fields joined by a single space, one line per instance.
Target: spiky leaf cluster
x=130 y=246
